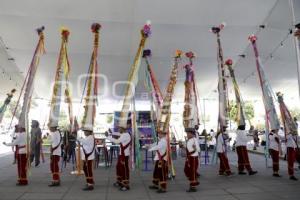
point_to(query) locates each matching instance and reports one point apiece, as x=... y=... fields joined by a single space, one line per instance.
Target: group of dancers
x=160 y=173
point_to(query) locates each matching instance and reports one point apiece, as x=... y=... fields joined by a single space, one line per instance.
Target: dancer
x=192 y=162
x=122 y=168
x=161 y=164
x=222 y=139
x=20 y=143
x=55 y=141
x=242 y=153
x=275 y=150
x=88 y=156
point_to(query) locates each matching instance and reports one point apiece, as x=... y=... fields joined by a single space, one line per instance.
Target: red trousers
x=88 y=171
x=190 y=170
x=122 y=170
x=291 y=157
x=275 y=157
x=22 y=169
x=224 y=164
x=160 y=174
x=243 y=159
x=54 y=160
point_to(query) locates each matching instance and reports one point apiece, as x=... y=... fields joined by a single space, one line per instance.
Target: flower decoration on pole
x=252 y=38
x=146 y=31
x=147 y=53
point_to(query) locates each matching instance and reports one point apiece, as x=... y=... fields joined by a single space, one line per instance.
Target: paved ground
x=213 y=187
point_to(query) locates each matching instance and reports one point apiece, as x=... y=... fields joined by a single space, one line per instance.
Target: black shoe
x=161 y=191
x=124 y=189
x=37 y=164
x=116 y=184
x=221 y=173
x=88 y=188
x=252 y=173
x=153 y=187
x=293 y=178
x=191 y=190
x=242 y=173
x=276 y=175
x=54 y=184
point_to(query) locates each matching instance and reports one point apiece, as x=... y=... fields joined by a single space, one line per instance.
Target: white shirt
x=55 y=140
x=161 y=146
x=88 y=146
x=124 y=139
x=241 y=138
x=273 y=144
x=290 y=141
x=193 y=145
x=20 y=140
x=221 y=144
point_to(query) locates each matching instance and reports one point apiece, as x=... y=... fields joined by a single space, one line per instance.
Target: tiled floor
x=212 y=187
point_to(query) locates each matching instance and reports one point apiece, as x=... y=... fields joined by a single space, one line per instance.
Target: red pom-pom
x=65 y=32
x=95 y=27
x=190 y=54
x=252 y=38
x=228 y=62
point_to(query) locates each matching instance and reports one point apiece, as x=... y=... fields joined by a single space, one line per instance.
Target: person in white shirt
x=275 y=150
x=242 y=153
x=88 y=156
x=159 y=181
x=291 y=154
x=192 y=162
x=20 y=142
x=222 y=138
x=122 y=168
x=55 y=140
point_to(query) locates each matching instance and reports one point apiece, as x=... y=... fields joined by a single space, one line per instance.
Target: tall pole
x=204 y=116
x=296 y=43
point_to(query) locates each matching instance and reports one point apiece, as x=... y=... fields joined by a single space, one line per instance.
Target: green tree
x=248 y=110
x=295 y=112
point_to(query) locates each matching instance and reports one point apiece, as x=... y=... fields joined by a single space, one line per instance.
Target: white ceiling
x=176 y=24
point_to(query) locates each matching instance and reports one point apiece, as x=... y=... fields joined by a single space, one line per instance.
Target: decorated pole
x=222 y=84
x=92 y=84
x=133 y=77
x=190 y=113
x=165 y=115
x=240 y=117
x=6 y=103
x=155 y=89
x=89 y=115
x=272 y=122
x=61 y=69
x=156 y=97
x=289 y=124
x=297 y=45
x=28 y=84
x=271 y=115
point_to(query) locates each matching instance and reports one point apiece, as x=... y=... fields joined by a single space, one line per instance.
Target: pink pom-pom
x=146 y=30
x=190 y=54
x=95 y=27
x=252 y=38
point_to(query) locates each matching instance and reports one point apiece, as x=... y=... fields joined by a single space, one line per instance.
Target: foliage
x=248 y=110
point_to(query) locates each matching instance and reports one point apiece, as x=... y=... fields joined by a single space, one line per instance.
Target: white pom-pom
x=148 y=22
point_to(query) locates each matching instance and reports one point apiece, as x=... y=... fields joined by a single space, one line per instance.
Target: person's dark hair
x=241 y=127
